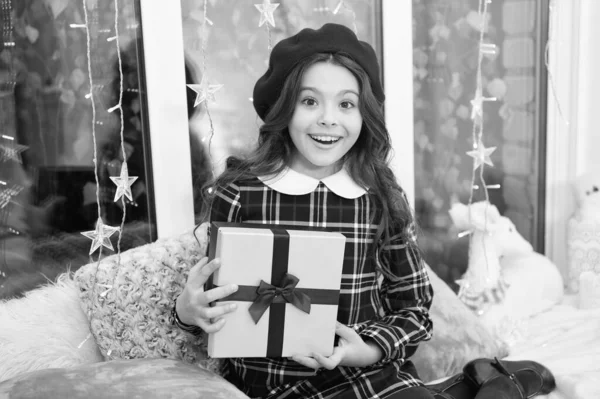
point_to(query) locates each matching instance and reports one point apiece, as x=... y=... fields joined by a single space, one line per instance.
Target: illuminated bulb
x=488 y=48
x=464 y=233
x=114 y=108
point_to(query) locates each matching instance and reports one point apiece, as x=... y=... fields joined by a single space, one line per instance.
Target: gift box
x=289 y=285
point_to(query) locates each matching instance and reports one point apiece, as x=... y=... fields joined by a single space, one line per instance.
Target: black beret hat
x=330 y=38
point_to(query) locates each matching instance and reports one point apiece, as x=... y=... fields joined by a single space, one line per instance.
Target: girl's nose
x=327 y=118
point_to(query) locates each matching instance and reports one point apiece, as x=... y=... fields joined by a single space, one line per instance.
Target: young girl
x=322 y=161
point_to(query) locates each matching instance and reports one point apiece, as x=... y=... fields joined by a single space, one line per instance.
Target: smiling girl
x=322 y=161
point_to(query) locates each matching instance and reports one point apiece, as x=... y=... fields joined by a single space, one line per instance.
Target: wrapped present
x=289 y=285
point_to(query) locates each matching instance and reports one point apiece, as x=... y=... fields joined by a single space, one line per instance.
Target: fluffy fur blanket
x=45 y=330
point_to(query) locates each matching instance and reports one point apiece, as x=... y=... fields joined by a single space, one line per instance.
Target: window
x=233 y=51
x=445 y=59
x=49 y=188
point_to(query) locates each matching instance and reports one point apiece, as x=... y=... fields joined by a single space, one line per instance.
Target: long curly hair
x=367 y=161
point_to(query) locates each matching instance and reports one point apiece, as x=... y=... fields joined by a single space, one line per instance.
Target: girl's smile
x=326 y=121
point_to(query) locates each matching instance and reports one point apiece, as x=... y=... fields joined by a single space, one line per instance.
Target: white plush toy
x=506 y=280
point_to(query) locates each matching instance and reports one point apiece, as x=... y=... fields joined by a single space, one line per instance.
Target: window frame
x=167 y=112
x=170 y=153
x=167 y=117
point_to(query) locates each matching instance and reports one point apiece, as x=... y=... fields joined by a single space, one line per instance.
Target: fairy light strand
x=95 y=160
x=549 y=44
x=477 y=130
x=477 y=133
x=119 y=107
x=122 y=124
x=342 y=5
x=267 y=9
x=204 y=69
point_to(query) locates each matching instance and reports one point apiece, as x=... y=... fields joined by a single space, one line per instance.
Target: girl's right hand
x=193 y=305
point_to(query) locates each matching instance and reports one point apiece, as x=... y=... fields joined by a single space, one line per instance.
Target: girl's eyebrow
x=341 y=93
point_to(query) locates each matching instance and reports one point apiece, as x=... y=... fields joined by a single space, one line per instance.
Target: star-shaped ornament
x=481 y=155
x=204 y=91
x=7 y=194
x=11 y=151
x=101 y=236
x=123 y=182
x=266 y=12
x=477 y=107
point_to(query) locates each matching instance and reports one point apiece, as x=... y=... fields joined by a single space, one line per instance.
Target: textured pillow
x=458 y=336
x=131 y=320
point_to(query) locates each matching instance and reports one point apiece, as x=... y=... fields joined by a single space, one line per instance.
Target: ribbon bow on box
x=268 y=294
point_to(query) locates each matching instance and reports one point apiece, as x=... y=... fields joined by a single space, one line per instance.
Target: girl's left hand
x=351 y=351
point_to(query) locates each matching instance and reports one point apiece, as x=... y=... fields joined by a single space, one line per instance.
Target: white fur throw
x=129 y=301
x=43 y=330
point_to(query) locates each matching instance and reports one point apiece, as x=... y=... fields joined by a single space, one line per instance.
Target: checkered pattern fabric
x=393 y=314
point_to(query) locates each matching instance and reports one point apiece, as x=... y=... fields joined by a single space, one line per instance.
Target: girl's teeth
x=327 y=139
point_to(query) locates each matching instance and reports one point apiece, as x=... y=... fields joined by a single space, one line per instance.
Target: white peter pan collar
x=294 y=183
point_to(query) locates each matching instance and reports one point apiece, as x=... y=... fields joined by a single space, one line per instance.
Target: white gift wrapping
x=247 y=254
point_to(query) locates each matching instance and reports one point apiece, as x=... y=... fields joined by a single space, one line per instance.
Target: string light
x=101 y=231
x=100 y=236
x=10 y=150
x=347 y=8
x=123 y=181
x=489 y=186
x=7 y=194
x=266 y=9
x=549 y=43
x=479 y=153
x=205 y=91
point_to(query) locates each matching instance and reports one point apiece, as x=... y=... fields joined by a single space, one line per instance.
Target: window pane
x=446 y=44
x=48 y=190
x=237 y=55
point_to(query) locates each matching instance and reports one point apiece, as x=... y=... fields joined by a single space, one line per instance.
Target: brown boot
x=530 y=378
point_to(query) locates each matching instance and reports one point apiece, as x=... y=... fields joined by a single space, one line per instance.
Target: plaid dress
x=394 y=315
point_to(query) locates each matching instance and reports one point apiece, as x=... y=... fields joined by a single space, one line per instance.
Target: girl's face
x=326 y=121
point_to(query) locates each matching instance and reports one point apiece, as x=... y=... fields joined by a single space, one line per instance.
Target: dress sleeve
x=225 y=207
x=406 y=300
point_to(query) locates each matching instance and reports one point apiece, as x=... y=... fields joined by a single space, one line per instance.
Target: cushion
x=128 y=301
x=140 y=378
x=130 y=320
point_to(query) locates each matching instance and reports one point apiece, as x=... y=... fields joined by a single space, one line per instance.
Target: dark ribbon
x=268 y=293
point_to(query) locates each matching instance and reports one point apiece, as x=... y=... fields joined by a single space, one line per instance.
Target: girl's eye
x=309 y=101
x=347 y=104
